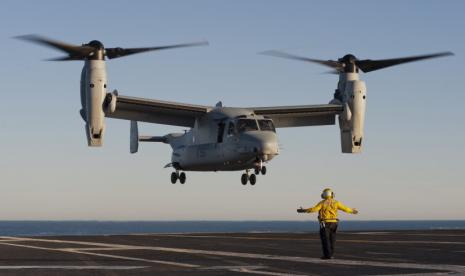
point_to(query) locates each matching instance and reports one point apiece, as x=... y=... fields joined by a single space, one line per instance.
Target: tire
x=257 y=170
x=182 y=178
x=253 y=179
x=174 y=177
x=244 y=179
x=263 y=170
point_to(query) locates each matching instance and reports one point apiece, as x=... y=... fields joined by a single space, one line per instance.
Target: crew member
x=327 y=216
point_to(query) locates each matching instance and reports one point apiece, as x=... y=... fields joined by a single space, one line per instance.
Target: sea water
x=43 y=228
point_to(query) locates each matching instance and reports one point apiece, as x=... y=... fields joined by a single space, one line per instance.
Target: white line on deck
x=381 y=253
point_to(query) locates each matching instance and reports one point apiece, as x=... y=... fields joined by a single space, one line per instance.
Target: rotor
x=96 y=50
x=351 y=64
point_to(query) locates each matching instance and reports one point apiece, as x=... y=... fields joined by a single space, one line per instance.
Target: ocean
x=47 y=228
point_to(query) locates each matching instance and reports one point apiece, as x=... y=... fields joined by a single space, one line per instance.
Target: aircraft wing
x=300 y=115
x=155 y=111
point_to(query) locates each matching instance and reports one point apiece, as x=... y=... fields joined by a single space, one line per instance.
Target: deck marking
x=381 y=253
x=415 y=274
x=223 y=267
x=404 y=265
x=71 y=267
x=102 y=255
x=251 y=269
x=309 y=239
x=372 y=233
x=261 y=272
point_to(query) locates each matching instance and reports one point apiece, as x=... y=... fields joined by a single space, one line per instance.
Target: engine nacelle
x=352 y=119
x=93 y=92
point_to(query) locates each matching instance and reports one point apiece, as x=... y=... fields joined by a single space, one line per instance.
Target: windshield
x=266 y=125
x=244 y=125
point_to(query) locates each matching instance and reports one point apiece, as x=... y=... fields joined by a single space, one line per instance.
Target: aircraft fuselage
x=226 y=139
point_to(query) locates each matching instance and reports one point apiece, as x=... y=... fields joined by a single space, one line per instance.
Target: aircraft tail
x=134 y=138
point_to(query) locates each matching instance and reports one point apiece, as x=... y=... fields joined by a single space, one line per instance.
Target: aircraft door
x=219 y=141
x=220 y=136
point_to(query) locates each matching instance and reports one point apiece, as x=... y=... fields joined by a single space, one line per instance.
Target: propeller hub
x=99 y=50
x=349 y=63
x=349 y=58
x=96 y=44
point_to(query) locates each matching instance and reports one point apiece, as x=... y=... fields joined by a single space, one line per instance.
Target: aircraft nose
x=264 y=147
x=264 y=143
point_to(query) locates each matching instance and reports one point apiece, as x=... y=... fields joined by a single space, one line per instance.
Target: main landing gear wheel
x=174 y=177
x=248 y=178
x=253 y=179
x=182 y=178
x=244 y=179
x=257 y=170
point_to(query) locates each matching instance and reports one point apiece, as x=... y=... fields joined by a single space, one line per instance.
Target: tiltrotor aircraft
x=220 y=138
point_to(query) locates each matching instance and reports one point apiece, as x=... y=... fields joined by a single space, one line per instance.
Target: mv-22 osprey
x=220 y=138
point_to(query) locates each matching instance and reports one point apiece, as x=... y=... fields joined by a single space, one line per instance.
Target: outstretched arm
x=346 y=209
x=315 y=208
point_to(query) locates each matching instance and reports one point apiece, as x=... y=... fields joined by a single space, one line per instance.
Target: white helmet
x=327 y=193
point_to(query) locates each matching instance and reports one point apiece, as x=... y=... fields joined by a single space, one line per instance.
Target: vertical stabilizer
x=133 y=137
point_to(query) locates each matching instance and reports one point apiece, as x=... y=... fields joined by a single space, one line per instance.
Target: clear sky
x=412 y=166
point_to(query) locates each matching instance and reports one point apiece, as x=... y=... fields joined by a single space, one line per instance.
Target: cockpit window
x=266 y=125
x=244 y=125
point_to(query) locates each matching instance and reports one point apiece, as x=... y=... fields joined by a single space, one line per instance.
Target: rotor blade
x=368 y=65
x=120 y=52
x=330 y=63
x=65 y=58
x=335 y=72
x=73 y=50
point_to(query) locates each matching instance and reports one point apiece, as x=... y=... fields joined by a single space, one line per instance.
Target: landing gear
x=182 y=178
x=252 y=179
x=176 y=175
x=244 y=179
x=259 y=170
x=248 y=178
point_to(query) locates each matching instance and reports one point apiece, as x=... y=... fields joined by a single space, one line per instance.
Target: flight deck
x=435 y=252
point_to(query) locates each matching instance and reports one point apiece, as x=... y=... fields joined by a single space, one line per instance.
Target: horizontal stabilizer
x=160 y=139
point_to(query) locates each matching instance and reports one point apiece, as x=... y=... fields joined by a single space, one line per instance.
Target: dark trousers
x=328 y=238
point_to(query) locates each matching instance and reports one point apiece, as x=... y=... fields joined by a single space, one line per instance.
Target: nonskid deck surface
x=357 y=253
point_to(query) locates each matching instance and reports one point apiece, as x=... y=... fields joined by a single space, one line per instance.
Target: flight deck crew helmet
x=327 y=193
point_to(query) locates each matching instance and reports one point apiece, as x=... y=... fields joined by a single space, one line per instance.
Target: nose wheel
x=248 y=178
x=261 y=170
x=175 y=176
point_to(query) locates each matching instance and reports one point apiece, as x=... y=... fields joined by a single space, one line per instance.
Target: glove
x=301 y=210
x=355 y=211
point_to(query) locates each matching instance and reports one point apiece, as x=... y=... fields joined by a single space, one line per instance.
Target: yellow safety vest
x=327 y=210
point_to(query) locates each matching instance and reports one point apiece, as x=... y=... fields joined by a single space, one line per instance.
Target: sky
x=411 y=167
